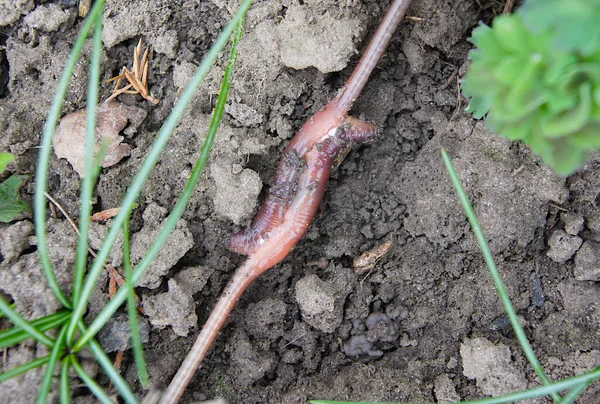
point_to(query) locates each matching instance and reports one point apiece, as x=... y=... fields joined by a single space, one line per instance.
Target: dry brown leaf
x=368 y=259
x=105 y=215
x=69 y=140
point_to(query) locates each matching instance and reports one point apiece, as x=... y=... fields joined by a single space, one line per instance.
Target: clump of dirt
x=422 y=317
x=491 y=366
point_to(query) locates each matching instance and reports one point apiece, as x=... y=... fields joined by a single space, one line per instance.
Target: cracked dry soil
x=425 y=323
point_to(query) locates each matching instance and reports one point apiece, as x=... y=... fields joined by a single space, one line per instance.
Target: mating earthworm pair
x=292 y=202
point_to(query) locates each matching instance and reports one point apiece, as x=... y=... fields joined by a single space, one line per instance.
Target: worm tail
x=371 y=55
x=242 y=278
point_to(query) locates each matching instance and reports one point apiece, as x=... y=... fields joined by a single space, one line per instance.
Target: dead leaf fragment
x=69 y=140
x=368 y=259
x=105 y=215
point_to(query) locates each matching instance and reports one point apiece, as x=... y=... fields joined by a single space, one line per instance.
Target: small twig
x=458 y=99
x=558 y=207
x=65 y=214
x=517 y=171
x=508 y=6
x=414 y=18
x=449 y=81
x=112 y=272
x=294 y=340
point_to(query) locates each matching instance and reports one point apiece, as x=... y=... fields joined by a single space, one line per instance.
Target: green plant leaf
x=5 y=158
x=11 y=204
x=14 y=335
x=57 y=350
x=510 y=32
x=570 y=121
x=533 y=90
x=19 y=370
x=487 y=45
x=65 y=392
x=588 y=137
x=89 y=382
x=574 y=23
x=479 y=106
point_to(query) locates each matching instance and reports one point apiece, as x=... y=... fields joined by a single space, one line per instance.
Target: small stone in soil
x=14 y=239
x=573 y=222
x=491 y=366
x=537 y=290
x=116 y=334
x=175 y=308
x=444 y=389
x=562 y=246
x=587 y=262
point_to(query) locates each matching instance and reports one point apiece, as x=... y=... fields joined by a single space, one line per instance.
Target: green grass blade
x=87 y=184
x=90 y=383
x=19 y=370
x=136 y=339
x=114 y=376
x=57 y=350
x=552 y=388
x=14 y=335
x=65 y=391
x=25 y=325
x=489 y=260
x=12 y=306
x=575 y=392
x=171 y=222
x=43 y=165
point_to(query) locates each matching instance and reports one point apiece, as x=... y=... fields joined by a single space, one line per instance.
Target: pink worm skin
x=300 y=181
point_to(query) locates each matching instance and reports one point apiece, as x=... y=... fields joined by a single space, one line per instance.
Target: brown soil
x=425 y=324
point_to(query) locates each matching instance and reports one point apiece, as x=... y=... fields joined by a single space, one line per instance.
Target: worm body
x=291 y=204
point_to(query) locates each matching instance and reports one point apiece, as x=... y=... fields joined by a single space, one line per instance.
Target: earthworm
x=291 y=204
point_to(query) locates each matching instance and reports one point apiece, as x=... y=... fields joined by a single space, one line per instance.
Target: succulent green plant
x=536 y=75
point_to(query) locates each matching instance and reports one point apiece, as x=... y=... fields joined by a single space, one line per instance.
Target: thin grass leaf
x=136 y=339
x=137 y=184
x=575 y=392
x=19 y=370
x=65 y=391
x=489 y=260
x=87 y=184
x=46 y=149
x=91 y=169
x=112 y=373
x=14 y=335
x=12 y=306
x=552 y=388
x=25 y=325
x=57 y=350
x=90 y=383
